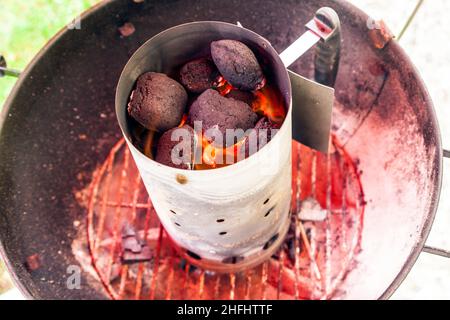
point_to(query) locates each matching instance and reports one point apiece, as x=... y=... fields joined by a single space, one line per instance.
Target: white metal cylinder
x=223 y=219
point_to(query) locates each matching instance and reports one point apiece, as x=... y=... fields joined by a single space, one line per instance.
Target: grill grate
x=311 y=264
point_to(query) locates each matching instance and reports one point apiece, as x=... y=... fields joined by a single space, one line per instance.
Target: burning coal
x=158 y=102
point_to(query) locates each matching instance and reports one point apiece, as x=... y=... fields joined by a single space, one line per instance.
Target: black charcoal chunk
x=129 y=257
x=134 y=249
x=199 y=75
x=178 y=153
x=244 y=96
x=158 y=102
x=237 y=64
x=132 y=244
x=221 y=113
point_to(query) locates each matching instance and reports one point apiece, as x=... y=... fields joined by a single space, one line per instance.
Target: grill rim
x=397 y=50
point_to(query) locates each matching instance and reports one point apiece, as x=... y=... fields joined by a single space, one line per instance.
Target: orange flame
x=183 y=121
x=268 y=102
x=216 y=157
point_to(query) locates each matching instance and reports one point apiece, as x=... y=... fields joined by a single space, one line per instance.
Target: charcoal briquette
x=244 y=96
x=216 y=111
x=182 y=147
x=158 y=102
x=199 y=75
x=237 y=64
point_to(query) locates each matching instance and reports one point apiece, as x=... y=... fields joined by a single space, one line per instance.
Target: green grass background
x=25 y=28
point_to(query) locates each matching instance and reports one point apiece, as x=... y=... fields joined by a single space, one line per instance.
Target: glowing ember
x=183 y=121
x=269 y=103
x=223 y=86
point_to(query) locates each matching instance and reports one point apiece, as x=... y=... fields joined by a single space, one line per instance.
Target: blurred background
x=28 y=25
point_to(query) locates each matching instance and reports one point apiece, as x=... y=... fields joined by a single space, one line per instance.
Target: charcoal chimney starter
x=229 y=218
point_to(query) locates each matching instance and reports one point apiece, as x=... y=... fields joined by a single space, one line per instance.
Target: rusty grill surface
x=311 y=264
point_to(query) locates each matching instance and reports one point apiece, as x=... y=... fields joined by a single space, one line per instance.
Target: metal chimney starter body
x=229 y=218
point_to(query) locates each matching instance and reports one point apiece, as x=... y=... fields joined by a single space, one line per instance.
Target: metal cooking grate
x=311 y=263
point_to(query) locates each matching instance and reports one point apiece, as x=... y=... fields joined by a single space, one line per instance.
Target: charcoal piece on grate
x=131 y=244
x=129 y=257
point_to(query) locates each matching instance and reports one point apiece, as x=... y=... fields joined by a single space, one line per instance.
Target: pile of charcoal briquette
x=162 y=104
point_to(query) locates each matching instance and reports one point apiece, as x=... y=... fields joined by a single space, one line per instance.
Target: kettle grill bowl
x=59 y=122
